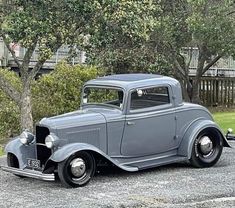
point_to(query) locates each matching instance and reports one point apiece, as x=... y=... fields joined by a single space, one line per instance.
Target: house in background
x=6 y=60
x=225 y=67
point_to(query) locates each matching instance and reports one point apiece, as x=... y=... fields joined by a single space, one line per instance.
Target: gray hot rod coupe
x=133 y=121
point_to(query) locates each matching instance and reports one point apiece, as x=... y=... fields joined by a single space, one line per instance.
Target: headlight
x=26 y=137
x=50 y=141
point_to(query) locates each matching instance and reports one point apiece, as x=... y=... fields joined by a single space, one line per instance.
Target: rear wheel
x=13 y=162
x=207 y=149
x=77 y=170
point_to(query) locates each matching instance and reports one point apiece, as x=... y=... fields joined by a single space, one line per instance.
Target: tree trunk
x=184 y=87
x=26 y=119
x=197 y=81
x=195 y=91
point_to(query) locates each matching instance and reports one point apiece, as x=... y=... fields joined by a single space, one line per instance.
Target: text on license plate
x=33 y=163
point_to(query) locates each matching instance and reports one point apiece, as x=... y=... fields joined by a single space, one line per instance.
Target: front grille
x=43 y=153
x=41 y=134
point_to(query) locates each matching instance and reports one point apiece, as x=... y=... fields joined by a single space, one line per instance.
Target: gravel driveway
x=177 y=186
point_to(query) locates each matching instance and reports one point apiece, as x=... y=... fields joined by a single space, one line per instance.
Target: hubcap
x=78 y=167
x=205 y=145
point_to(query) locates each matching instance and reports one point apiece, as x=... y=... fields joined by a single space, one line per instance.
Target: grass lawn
x=1 y=151
x=225 y=120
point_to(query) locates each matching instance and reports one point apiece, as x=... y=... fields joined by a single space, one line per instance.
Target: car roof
x=135 y=81
x=129 y=81
x=130 y=77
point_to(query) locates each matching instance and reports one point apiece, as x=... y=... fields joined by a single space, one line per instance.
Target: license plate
x=33 y=163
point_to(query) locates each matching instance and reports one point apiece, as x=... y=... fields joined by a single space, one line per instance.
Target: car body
x=133 y=121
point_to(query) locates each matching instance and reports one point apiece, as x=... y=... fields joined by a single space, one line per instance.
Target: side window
x=151 y=97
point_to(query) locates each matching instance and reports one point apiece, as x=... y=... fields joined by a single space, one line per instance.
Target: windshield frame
x=104 y=104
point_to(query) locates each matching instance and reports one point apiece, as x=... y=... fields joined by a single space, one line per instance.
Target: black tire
x=13 y=162
x=201 y=160
x=65 y=173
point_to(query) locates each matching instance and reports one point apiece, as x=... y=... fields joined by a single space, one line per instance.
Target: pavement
x=176 y=185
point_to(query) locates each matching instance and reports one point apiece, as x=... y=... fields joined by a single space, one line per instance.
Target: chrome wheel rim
x=205 y=146
x=78 y=167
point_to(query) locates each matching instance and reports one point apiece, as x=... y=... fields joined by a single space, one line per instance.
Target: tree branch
x=37 y=67
x=27 y=57
x=11 y=51
x=179 y=67
x=211 y=63
x=9 y=90
x=40 y=62
x=190 y=59
x=201 y=60
x=174 y=55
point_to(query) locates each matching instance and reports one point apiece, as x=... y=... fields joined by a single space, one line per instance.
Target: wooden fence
x=218 y=91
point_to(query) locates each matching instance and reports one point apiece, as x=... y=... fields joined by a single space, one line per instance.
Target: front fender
x=22 y=152
x=185 y=148
x=70 y=149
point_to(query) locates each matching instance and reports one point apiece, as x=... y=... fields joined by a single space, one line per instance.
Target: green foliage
x=59 y=91
x=9 y=111
x=11 y=77
x=212 y=24
x=47 y=23
x=1 y=151
x=120 y=42
x=131 y=37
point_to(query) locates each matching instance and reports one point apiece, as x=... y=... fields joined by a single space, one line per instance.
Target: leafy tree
x=45 y=24
x=205 y=24
x=213 y=32
x=153 y=37
x=121 y=41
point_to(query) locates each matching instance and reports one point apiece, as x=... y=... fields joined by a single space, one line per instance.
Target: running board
x=156 y=162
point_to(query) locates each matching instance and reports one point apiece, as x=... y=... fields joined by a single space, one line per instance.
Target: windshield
x=106 y=96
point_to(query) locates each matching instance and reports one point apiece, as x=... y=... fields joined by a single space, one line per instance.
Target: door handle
x=130 y=123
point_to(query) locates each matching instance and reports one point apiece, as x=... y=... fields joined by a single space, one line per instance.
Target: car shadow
x=115 y=171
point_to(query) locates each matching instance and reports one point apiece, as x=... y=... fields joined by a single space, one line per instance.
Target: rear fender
x=192 y=132
x=70 y=149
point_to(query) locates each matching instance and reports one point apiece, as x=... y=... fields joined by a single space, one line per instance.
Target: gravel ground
x=177 y=186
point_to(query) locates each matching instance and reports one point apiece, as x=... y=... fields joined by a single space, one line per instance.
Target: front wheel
x=77 y=170
x=207 y=149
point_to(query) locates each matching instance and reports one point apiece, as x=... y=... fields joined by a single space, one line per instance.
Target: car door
x=150 y=123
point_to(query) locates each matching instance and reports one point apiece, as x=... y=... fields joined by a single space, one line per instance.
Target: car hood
x=76 y=118
x=81 y=118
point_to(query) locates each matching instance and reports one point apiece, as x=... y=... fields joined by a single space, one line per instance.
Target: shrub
x=9 y=111
x=59 y=91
